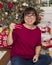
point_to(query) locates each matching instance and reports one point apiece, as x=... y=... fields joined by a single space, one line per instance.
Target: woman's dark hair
x=28 y=10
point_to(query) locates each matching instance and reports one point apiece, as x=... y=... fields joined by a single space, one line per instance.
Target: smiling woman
x=26 y=41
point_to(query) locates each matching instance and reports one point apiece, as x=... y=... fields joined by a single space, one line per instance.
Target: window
x=45 y=2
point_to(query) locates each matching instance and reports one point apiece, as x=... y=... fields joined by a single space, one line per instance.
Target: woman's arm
x=39 y=44
x=10 y=39
x=37 y=50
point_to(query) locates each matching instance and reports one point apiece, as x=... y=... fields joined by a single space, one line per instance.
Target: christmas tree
x=11 y=10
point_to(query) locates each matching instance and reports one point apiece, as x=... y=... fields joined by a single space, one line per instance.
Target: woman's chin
x=30 y=23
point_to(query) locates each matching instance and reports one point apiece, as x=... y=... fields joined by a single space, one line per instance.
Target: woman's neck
x=29 y=26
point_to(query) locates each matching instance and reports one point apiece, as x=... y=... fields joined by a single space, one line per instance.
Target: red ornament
x=10 y=5
x=39 y=18
x=1 y=5
x=21 y=9
x=48 y=30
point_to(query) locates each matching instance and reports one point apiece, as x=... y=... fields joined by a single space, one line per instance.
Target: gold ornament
x=2 y=19
x=1 y=29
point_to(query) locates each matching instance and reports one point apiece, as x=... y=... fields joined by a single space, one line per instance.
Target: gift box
x=3 y=37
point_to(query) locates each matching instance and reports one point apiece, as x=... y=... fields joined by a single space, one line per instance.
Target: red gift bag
x=3 y=38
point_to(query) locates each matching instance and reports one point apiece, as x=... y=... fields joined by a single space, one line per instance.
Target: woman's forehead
x=30 y=12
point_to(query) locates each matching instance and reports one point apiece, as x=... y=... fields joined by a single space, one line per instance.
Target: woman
x=25 y=39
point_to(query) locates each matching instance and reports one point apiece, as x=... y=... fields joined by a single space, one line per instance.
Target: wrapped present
x=44 y=27
x=3 y=37
x=0 y=36
x=46 y=39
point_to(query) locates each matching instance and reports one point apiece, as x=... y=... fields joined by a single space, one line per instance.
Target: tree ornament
x=8 y=0
x=25 y=4
x=21 y=9
x=10 y=5
x=2 y=19
x=39 y=18
x=16 y=16
x=14 y=0
x=6 y=13
x=1 y=5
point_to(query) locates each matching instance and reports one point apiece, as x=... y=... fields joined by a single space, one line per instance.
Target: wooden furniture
x=6 y=57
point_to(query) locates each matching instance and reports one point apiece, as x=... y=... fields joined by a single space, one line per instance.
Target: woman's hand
x=35 y=58
x=12 y=26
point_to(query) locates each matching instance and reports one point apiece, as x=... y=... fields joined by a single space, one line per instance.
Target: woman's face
x=30 y=18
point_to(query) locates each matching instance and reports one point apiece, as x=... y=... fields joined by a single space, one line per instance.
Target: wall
x=47 y=13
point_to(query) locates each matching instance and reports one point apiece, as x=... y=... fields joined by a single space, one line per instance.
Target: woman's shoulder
x=19 y=26
x=38 y=29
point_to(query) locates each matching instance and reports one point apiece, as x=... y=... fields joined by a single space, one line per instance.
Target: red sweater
x=25 y=42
